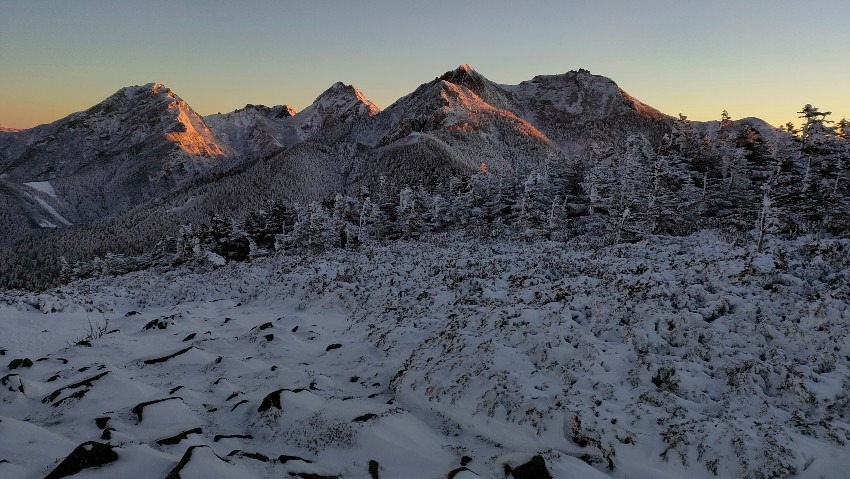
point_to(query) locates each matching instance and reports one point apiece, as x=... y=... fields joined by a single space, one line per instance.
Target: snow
x=414 y=355
x=52 y=212
x=43 y=186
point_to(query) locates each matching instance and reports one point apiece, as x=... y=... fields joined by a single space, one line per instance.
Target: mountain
x=144 y=154
x=134 y=146
x=259 y=131
x=577 y=107
x=255 y=130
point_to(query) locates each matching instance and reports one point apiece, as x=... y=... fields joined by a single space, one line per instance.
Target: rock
x=310 y=475
x=187 y=456
x=86 y=456
x=365 y=417
x=283 y=459
x=101 y=422
x=87 y=383
x=272 y=400
x=333 y=346
x=373 y=469
x=219 y=437
x=178 y=438
x=13 y=382
x=139 y=409
x=251 y=455
x=533 y=469
x=166 y=358
x=20 y=363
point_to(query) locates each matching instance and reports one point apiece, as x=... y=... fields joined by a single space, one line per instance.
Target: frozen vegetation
x=670 y=357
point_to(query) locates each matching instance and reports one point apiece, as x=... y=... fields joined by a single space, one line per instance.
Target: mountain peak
x=342 y=97
x=278 y=111
x=464 y=75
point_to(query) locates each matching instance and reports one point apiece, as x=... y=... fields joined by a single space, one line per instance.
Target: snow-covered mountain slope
x=467 y=114
x=255 y=130
x=672 y=357
x=576 y=107
x=340 y=114
x=340 y=111
x=135 y=145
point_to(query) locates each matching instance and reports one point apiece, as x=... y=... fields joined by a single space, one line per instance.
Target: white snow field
x=670 y=358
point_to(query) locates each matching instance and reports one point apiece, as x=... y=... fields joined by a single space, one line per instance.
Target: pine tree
x=817 y=147
x=536 y=204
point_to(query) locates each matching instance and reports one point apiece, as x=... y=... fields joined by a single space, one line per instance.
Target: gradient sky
x=764 y=58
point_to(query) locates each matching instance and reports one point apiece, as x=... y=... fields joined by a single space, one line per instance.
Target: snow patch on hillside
x=43 y=186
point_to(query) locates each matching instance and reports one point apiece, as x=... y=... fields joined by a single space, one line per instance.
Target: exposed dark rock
x=283 y=459
x=139 y=409
x=175 y=389
x=85 y=382
x=20 y=363
x=13 y=385
x=465 y=460
x=156 y=324
x=101 y=422
x=219 y=437
x=272 y=400
x=86 y=456
x=189 y=337
x=263 y=327
x=84 y=343
x=107 y=433
x=354 y=379
x=238 y=404
x=373 y=469
x=166 y=358
x=187 y=456
x=269 y=337
x=533 y=469
x=131 y=313
x=365 y=417
x=251 y=455
x=333 y=346
x=176 y=439
x=310 y=475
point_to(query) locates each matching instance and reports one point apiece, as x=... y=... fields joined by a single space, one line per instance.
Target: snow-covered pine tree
x=674 y=200
x=634 y=193
x=410 y=213
x=817 y=147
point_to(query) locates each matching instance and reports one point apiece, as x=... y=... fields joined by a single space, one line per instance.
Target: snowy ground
x=670 y=358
